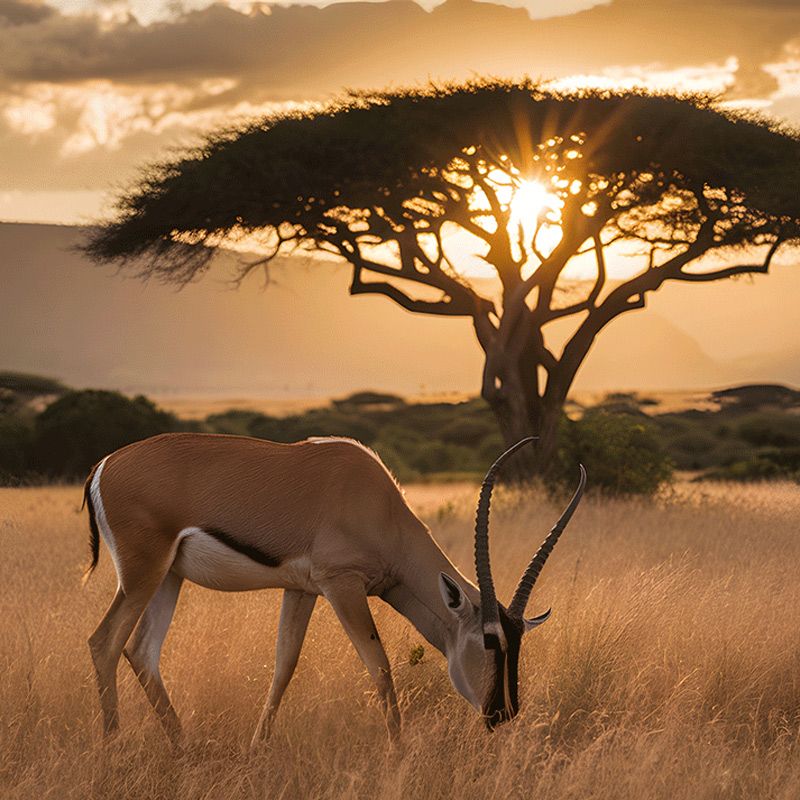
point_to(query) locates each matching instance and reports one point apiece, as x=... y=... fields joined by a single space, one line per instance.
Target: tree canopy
x=384 y=180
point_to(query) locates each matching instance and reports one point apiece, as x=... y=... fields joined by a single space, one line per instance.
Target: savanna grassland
x=670 y=668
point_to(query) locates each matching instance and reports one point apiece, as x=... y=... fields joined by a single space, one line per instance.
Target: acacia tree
x=402 y=185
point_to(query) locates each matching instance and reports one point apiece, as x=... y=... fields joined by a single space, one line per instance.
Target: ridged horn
x=516 y=608
x=490 y=617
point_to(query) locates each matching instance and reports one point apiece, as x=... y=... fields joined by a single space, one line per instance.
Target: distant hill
x=304 y=336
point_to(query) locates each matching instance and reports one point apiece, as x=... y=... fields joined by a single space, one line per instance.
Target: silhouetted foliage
x=625 y=451
x=674 y=177
x=361 y=399
x=235 y=421
x=758 y=395
x=622 y=454
x=80 y=428
x=16 y=446
x=770 y=429
x=25 y=383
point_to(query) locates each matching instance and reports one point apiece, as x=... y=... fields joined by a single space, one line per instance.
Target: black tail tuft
x=94 y=533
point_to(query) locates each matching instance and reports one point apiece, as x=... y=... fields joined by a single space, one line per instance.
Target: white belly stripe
x=203 y=559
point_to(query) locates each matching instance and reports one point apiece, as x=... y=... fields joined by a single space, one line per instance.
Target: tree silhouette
x=403 y=184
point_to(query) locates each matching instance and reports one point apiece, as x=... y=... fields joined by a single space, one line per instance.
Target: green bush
x=770 y=429
x=316 y=422
x=30 y=384
x=622 y=455
x=693 y=449
x=81 y=427
x=398 y=466
x=467 y=431
x=16 y=439
x=368 y=398
x=755 y=468
x=236 y=421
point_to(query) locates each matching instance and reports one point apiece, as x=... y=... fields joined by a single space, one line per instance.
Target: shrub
x=30 y=384
x=694 y=449
x=368 y=398
x=751 y=469
x=81 y=427
x=467 y=431
x=236 y=421
x=770 y=429
x=395 y=462
x=622 y=454
x=16 y=438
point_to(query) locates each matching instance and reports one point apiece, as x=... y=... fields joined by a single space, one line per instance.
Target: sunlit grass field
x=670 y=667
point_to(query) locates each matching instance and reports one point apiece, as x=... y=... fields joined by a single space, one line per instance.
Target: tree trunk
x=521 y=412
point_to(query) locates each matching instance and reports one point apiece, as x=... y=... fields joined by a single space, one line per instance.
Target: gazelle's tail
x=94 y=533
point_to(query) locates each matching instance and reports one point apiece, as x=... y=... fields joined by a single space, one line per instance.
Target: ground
x=670 y=667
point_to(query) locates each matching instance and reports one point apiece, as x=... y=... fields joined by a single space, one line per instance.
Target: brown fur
x=234 y=513
x=330 y=501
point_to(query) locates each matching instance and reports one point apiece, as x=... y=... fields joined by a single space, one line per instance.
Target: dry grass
x=671 y=667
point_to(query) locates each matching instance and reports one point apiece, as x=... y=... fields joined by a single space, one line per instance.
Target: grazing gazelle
x=319 y=517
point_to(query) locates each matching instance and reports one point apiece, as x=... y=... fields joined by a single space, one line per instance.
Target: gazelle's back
x=276 y=512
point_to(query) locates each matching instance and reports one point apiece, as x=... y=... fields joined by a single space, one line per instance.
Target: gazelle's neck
x=416 y=594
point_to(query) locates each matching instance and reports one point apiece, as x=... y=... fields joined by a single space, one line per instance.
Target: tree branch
x=591 y=300
x=729 y=272
x=438 y=307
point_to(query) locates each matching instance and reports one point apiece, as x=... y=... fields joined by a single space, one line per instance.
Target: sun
x=530 y=199
x=536 y=214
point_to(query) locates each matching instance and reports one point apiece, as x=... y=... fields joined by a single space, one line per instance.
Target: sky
x=91 y=91
x=304 y=338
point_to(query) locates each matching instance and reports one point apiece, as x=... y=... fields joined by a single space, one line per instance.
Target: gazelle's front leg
x=295 y=613
x=349 y=600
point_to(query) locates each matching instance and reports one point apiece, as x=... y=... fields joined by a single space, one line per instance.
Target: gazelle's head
x=483 y=651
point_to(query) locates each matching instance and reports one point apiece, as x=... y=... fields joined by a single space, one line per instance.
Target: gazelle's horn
x=516 y=608
x=492 y=629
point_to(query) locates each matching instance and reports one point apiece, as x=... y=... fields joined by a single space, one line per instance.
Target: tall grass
x=671 y=667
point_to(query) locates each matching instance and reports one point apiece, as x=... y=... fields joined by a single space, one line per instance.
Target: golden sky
x=303 y=337
x=91 y=90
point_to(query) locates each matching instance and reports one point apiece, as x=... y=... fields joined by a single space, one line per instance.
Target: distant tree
x=402 y=184
x=81 y=427
x=25 y=383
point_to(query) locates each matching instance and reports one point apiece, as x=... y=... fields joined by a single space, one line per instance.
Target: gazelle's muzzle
x=502 y=703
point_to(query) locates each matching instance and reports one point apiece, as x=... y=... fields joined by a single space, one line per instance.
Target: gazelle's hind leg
x=143 y=652
x=108 y=640
x=295 y=613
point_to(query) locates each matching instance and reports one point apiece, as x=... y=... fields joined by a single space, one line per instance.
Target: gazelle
x=320 y=517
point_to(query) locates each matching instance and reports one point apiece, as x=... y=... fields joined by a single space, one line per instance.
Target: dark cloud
x=306 y=51
x=160 y=72
x=20 y=12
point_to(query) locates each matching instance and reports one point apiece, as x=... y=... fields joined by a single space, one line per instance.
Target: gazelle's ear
x=453 y=596
x=530 y=624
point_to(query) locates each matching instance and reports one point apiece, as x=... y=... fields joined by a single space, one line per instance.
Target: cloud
x=98 y=94
x=300 y=50
x=21 y=12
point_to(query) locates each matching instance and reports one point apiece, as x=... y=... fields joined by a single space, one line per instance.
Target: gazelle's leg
x=349 y=600
x=143 y=651
x=295 y=613
x=109 y=638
